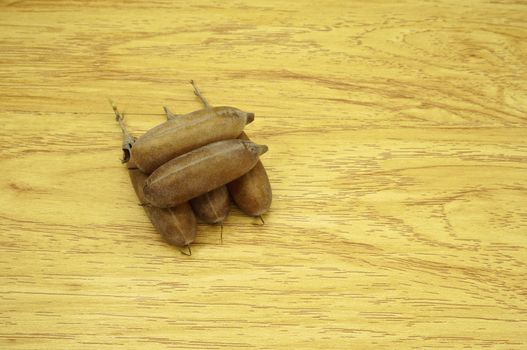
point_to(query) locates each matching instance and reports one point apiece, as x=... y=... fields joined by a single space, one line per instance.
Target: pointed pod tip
x=189 y=253
x=255 y=148
x=261 y=149
x=250 y=117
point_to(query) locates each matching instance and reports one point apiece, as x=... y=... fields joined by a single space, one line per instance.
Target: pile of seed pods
x=191 y=165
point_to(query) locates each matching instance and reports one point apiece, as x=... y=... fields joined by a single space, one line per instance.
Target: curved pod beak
x=250 y=117
x=261 y=149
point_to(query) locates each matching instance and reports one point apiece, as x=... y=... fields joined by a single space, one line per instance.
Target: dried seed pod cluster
x=188 y=166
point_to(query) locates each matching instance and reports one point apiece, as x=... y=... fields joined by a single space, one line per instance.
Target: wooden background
x=398 y=159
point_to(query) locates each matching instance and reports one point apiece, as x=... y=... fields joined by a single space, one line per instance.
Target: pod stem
x=169 y=114
x=261 y=218
x=197 y=92
x=221 y=232
x=128 y=139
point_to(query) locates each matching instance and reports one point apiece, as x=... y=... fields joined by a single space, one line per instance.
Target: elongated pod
x=252 y=191
x=200 y=171
x=180 y=135
x=212 y=207
x=176 y=225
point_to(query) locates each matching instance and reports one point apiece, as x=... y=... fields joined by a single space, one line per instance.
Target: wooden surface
x=398 y=159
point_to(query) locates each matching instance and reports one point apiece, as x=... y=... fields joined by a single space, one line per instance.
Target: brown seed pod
x=252 y=191
x=200 y=171
x=213 y=206
x=180 y=135
x=176 y=225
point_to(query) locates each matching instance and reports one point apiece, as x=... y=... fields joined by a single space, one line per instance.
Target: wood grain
x=398 y=159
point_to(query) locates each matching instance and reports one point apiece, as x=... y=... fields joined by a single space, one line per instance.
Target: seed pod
x=213 y=206
x=200 y=171
x=184 y=133
x=176 y=225
x=187 y=132
x=252 y=191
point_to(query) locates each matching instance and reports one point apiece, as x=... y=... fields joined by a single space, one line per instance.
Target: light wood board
x=398 y=159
